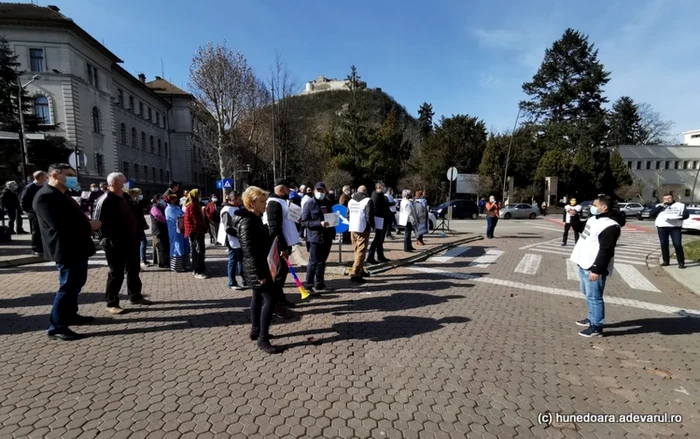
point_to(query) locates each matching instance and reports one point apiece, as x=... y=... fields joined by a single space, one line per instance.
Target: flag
x=302 y=290
x=273 y=259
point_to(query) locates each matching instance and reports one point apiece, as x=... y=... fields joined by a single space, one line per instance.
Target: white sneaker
x=201 y=276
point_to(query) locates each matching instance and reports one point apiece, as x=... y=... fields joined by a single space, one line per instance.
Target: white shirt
x=569 y=210
x=671 y=216
x=222 y=235
x=358 y=216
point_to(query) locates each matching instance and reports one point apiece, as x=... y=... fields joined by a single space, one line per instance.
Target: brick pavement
x=409 y=354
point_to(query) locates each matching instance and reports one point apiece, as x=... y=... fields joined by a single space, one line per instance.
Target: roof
x=26 y=14
x=658 y=152
x=137 y=83
x=161 y=86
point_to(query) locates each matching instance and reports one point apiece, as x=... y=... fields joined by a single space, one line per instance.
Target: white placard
x=378 y=223
x=294 y=213
x=331 y=219
x=85 y=195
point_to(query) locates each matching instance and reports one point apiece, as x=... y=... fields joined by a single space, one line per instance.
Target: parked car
x=460 y=209
x=630 y=209
x=519 y=211
x=646 y=212
x=693 y=221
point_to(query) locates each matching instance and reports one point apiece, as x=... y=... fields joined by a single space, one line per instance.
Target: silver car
x=519 y=211
x=630 y=209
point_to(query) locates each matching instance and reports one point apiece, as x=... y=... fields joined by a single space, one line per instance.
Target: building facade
x=118 y=121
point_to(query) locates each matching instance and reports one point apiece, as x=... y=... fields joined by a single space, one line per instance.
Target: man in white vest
x=594 y=253
x=281 y=227
x=361 y=222
x=226 y=237
x=669 y=219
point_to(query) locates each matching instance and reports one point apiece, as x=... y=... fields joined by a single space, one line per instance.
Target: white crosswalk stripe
x=489 y=258
x=449 y=254
x=572 y=271
x=634 y=278
x=529 y=264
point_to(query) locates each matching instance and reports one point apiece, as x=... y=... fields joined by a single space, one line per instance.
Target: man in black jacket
x=120 y=236
x=319 y=238
x=9 y=202
x=382 y=219
x=66 y=235
x=26 y=201
x=282 y=228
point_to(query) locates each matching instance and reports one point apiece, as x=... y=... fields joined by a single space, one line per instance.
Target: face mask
x=320 y=195
x=594 y=211
x=95 y=189
x=140 y=197
x=72 y=182
x=331 y=193
x=573 y=203
x=492 y=200
x=384 y=190
x=215 y=199
x=127 y=186
x=161 y=202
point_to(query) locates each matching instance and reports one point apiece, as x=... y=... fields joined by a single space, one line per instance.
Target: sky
x=462 y=56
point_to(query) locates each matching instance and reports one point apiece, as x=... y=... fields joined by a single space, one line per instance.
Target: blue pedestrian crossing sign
x=227 y=183
x=219 y=184
x=343 y=223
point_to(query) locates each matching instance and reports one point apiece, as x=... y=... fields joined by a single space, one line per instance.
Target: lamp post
x=22 y=142
x=510 y=144
x=692 y=193
x=235 y=180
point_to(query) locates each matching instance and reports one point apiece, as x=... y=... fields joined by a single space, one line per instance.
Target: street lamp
x=510 y=144
x=235 y=180
x=22 y=142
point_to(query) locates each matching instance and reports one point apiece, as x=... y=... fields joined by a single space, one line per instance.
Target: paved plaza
x=477 y=342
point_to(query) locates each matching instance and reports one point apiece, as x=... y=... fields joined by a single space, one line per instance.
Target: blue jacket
x=311 y=217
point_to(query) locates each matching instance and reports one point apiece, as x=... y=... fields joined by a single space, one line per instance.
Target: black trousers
x=123 y=257
x=198 y=248
x=213 y=232
x=575 y=228
x=676 y=238
x=377 y=245
x=37 y=244
x=280 y=280
x=262 y=305
x=316 y=269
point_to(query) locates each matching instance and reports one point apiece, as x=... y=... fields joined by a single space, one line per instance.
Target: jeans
x=235 y=256
x=593 y=292
x=316 y=269
x=262 y=305
x=197 y=244
x=71 y=279
x=568 y=226
x=407 y=231
x=123 y=257
x=37 y=243
x=491 y=222
x=377 y=245
x=143 y=245
x=675 y=234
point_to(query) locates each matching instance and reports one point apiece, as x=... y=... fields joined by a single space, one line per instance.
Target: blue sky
x=461 y=56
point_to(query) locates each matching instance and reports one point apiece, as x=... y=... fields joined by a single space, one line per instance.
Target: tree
x=625 y=123
x=555 y=163
x=569 y=84
x=425 y=120
x=619 y=169
x=654 y=130
x=384 y=159
x=286 y=125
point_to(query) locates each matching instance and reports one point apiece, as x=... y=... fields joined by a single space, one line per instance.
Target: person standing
x=392 y=213
x=382 y=217
x=227 y=237
x=195 y=229
x=345 y=196
x=159 y=233
x=26 y=201
x=213 y=216
x=319 y=238
x=67 y=240
x=183 y=200
x=421 y=211
x=492 y=212
x=276 y=217
x=407 y=217
x=544 y=208
x=572 y=220
x=10 y=204
x=594 y=254
x=330 y=196
x=120 y=236
x=137 y=199
x=255 y=243
x=361 y=222
x=669 y=220
x=179 y=246
x=482 y=206
x=172 y=189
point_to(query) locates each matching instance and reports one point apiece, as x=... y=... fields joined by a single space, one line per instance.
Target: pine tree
x=625 y=123
x=425 y=120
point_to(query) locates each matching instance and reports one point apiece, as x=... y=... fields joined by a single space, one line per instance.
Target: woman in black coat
x=255 y=241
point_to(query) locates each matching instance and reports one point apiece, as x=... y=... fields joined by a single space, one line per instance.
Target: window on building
x=629 y=164
x=639 y=164
x=159 y=147
x=120 y=97
x=89 y=73
x=131 y=103
x=141 y=109
x=648 y=164
x=93 y=76
x=95 y=72
x=658 y=164
x=122 y=133
x=100 y=164
x=153 y=171
x=695 y=164
x=157 y=118
x=153 y=147
x=134 y=138
x=36 y=60
x=676 y=164
x=686 y=164
x=41 y=109
x=166 y=149
x=161 y=175
x=125 y=169
x=695 y=136
x=136 y=171
x=149 y=113
x=96 y=120
x=687 y=192
x=143 y=141
x=145 y=172
x=667 y=165
x=167 y=175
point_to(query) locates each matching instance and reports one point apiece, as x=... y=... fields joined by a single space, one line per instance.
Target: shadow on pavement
x=663 y=326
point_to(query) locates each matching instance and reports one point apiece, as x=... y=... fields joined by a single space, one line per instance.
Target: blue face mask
x=71 y=182
x=161 y=202
x=140 y=197
x=594 y=210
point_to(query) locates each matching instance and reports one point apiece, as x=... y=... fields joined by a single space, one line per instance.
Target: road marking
x=565 y=253
x=665 y=309
x=621 y=251
x=572 y=270
x=537 y=243
x=551 y=229
x=529 y=264
x=487 y=259
x=449 y=254
x=634 y=278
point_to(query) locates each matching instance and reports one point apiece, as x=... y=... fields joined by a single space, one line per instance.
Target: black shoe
x=592 y=331
x=681 y=266
x=372 y=261
x=584 y=322
x=281 y=312
x=65 y=335
x=364 y=274
x=23 y=232
x=255 y=333
x=384 y=260
x=265 y=346
x=81 y=320
x=286 y=303
x=357 y=279
x=665 y=264
x=322 y=289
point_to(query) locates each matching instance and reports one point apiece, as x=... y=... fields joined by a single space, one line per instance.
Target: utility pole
x=510 y=144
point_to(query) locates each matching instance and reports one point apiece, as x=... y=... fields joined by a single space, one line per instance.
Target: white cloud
x=500 y=38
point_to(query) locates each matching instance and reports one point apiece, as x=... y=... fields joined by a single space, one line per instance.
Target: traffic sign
x=9 y=135
x=452 y=174
x=219 y=184
x=34 y=136
x=343 y=223
x=227 y=183
x=77 y=160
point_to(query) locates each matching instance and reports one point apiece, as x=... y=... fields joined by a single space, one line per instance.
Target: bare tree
x=654 y=130
x=283 y=85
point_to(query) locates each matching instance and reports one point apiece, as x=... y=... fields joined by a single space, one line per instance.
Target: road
x=476 y=342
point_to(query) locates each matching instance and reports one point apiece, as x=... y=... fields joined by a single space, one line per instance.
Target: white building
x=328 y=84
x=691 y=137
x=118 y=121
x=673 y=168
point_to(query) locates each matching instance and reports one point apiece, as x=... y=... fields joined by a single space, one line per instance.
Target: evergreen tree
x=625 y=123
x=390 y=150
x=425 y=120
x=619 y=169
